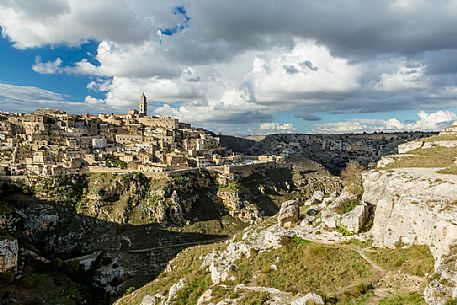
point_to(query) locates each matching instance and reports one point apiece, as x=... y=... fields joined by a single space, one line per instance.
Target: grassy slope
x=334 y=271
x=403 y=299
x=416 y=260
x=434 y=138
x=429 y=157
x=307 y=267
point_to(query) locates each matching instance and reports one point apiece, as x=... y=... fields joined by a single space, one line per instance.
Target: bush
x=343 y=230
x=347 y=206
x=352 y=178
x=129 y=290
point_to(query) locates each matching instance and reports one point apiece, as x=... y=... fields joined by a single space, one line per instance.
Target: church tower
x=143 y=105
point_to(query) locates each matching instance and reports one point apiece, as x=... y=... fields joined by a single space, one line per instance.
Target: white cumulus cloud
x=434 y=121
x=50 y=67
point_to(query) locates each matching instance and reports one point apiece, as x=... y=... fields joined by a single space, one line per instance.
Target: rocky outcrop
x=289 y=213
x=404 y=148
x=355 y=220
x=345 y=211
x=310 y=298
x=412 y=145
x=9 y=253
x=418 y=207
x=413 y=206
x=443 y=286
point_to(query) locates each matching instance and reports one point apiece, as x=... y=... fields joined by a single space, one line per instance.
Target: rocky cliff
x=417 y=206
x=401 y=236
x=413 y=206
x=105 y=233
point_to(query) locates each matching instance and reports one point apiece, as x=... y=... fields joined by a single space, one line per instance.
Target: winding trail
x=380 y=291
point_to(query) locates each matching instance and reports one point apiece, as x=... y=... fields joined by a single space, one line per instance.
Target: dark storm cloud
x=308 y=117
x=346 y=26
x=240 y=118
x=440 y=62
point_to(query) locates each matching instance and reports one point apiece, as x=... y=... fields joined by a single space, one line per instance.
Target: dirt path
x=186 y=244
x=361 y=252
x=384 y=288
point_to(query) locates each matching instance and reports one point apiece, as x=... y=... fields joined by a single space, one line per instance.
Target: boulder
x=317 y=198
x=289 y=213
x=310 y=298
x=173 y=292
x=9 y=251
x=151 y=300
x=354 y=220
x=312 y=212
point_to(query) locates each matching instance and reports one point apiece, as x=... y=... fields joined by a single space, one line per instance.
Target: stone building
x=143 y=109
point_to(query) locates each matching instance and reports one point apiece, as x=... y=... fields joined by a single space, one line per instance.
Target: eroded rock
x=289 y=213
x=9 y=252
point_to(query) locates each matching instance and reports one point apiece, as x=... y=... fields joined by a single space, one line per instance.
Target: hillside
x=101 y=234
x=393 y=244
x=283 y=234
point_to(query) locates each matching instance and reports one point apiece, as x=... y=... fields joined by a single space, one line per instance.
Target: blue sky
x=17 y=68
x=246 y=68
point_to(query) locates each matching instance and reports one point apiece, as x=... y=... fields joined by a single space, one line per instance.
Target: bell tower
x=143 y=105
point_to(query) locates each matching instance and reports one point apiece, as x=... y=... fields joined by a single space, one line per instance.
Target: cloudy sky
x=239 y=67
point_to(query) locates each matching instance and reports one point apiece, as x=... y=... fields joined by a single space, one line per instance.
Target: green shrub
x=193 y=290
x=300 y=241
x=343 y=230
x=27 y=282
x=129 y=290
x=347 y=206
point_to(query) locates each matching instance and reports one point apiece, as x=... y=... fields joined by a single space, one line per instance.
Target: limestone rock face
x=174 y=291
x=403 y=148
x=289 y=213
x=9 y=252
x=444 y=286
x=417 y=207
x=151 y=300
x=413 y=207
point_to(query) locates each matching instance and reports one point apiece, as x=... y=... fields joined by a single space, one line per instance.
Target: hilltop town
x=49 y=142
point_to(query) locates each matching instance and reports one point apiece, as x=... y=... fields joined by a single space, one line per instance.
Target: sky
x=237 y=67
